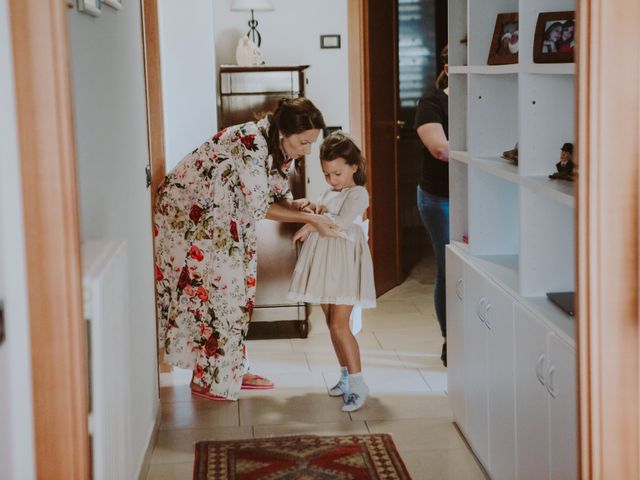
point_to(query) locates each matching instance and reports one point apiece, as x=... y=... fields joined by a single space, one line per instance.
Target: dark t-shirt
x=434 y=108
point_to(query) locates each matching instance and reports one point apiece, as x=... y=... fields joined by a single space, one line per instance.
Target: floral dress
x=205 y=253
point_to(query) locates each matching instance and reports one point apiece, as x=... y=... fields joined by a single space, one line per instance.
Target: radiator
x=105 y=310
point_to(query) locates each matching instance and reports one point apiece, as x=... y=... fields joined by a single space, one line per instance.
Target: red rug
x=301 y=457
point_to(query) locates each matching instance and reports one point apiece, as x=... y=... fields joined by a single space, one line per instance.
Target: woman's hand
x=324 y=226
x=304 y=205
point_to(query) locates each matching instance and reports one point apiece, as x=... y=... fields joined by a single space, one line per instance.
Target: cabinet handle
x=539 y=367
x=459 y=289
x=480 y=308
x=487 y=322
x=550 y=386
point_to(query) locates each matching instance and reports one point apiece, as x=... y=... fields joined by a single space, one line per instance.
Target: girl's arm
x=433 y=137
x=354 y=205
x=281 y=212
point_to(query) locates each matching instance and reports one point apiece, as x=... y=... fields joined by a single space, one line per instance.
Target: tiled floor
x=400 y=345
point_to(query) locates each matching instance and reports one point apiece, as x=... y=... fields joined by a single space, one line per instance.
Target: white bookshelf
x=512 y=242
x=502 y=208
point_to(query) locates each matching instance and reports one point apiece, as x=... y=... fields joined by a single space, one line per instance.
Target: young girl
x=337 y=272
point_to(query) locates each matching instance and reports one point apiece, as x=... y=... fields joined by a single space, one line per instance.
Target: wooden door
x=380 y=82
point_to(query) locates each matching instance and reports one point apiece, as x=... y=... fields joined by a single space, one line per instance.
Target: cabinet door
x=563 y=406
x=532 y=404
x=475 y=345
x=455 y=335
x=502 y=429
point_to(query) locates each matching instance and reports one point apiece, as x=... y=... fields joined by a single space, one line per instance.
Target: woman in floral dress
x=205 y=227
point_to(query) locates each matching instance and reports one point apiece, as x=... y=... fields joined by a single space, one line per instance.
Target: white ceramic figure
x=247 y=53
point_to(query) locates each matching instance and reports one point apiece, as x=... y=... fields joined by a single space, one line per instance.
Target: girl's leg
x=342 y=336
x=340 y=389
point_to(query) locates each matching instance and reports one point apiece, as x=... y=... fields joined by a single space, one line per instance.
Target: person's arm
x=354 y=205
x=280 y=212
x=433 y=137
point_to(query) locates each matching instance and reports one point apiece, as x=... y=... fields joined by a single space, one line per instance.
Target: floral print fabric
x=205 y=218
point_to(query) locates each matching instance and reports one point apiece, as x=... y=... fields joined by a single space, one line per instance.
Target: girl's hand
x=325 y=226
x=302 y=234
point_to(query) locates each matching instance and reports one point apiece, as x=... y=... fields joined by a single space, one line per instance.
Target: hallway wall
x=188 y=76
x=291 y=36
x=16 y=404
x=112 y=152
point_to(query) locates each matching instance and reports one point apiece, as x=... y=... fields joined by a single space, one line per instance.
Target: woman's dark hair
x=291 y=116
x=442 y=81
x=338 y=145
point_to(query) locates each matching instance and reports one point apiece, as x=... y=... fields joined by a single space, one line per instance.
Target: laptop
x=564 y=300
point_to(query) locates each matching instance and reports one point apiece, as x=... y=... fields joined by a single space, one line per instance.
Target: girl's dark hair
x=442 y=81
x=338 y=145
x=291 y=116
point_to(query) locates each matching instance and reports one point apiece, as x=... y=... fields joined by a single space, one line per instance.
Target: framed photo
x=91 y=7
x=117 y=4
x=504 y=44
x=329 y=41
x=554 y=40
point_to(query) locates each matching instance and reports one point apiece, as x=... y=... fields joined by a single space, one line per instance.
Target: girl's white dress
x=337 y=270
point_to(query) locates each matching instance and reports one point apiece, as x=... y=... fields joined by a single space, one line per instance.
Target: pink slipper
x=252 y=385
x=208 y=396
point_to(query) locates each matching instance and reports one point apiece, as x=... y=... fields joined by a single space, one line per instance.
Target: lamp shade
x=257 y=5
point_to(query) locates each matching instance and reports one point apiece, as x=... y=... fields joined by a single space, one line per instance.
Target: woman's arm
x=433 y=137
x=283 y=213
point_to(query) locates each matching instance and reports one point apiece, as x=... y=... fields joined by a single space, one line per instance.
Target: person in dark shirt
x=432 y=126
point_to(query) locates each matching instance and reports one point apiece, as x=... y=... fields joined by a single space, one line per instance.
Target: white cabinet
x=502 y=433
x=545 y=401
x=476 y=377
x=455 y=335
x=485 y=400
x=531 y=397
x=513 y=385
x=511 y=378
x=563 y=409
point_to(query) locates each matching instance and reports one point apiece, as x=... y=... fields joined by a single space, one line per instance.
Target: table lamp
x=258 y=5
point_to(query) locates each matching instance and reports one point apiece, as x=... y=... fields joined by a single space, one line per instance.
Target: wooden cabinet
x=247 y=93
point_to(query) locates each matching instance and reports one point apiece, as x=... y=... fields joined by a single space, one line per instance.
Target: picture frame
x=554 y=40
x=117 y=4
x=504 y=43
x=90 y=7
x=330 y=41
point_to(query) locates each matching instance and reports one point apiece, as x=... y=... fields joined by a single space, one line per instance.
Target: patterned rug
x=301 y=457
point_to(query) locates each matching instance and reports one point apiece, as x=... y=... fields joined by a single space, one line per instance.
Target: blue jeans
x=434 y=211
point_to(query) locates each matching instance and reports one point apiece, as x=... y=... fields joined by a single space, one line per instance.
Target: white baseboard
x=143 y=468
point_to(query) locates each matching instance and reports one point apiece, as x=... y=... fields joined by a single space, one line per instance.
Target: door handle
x=400 y=123
x=539 y=367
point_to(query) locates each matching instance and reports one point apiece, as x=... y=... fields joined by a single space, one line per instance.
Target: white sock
x=358 y=392
x=341 y=389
